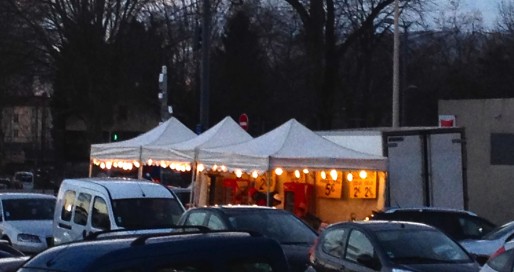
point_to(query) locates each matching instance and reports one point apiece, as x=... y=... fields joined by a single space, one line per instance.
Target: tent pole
x=140 y=170
x=193 y=184
x=268 y=181
x=90 y=168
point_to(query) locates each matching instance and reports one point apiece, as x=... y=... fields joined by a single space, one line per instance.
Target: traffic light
x=114 y=137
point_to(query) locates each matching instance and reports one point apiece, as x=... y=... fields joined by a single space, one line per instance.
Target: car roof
x=238 y=209
x=427 y=209
x=120 y=188
x=79 y=256
x=20 y=195
x=384 y=225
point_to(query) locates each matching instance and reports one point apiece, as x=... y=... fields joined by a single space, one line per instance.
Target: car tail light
x=498 y=252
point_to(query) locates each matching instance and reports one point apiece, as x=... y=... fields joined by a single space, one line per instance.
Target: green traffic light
x=115 y=137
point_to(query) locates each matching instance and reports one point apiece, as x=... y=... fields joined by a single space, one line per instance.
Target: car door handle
x=64 y=226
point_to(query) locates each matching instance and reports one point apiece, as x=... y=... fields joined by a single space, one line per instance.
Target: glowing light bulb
x=323 y=175
x=255 y=174
x=306 y=171
x=363 y=174
x=200 y=167
x=297 y=173
x=102 y=165
x=333 y=174
x=279 y=171
x=136 y=164
x=349 y=177
x=238 y=173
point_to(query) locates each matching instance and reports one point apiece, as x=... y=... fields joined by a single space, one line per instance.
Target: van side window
x=81 y=208
x=99 y=215
x=67 y=207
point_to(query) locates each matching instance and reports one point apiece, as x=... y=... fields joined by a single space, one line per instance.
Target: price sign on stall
x=363 y=187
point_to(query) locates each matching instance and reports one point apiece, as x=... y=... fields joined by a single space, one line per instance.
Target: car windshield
x=284 y=227
x=499 y=231
x=28 y=209
x=145 y=213
x=406 y=246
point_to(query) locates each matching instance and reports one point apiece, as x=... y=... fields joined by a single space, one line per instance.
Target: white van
x=89 y=205
x=24 y=180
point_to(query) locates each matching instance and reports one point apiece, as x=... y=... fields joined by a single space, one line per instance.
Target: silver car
x=26 y=220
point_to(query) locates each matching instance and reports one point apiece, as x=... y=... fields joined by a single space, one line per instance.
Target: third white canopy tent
x=227 y=147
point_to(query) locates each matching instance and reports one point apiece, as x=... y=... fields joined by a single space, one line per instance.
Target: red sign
x=243 y=121
x=447 y=120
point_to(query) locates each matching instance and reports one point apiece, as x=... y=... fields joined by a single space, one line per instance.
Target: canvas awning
x=290 y=146
x=224 y=133
x=170 y=132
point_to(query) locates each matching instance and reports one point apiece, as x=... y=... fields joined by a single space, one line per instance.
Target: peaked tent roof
x=170 y=132
x=290 y=145
x=224 y=133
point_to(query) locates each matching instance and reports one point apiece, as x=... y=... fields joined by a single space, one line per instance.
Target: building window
x=502 y=148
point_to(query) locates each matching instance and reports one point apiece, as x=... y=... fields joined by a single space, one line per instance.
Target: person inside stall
x=277 y=200
x=307 y=217
x=256 y=197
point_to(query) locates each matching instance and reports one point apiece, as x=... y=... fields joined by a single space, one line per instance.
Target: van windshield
x=24 y=177
x=146 y=213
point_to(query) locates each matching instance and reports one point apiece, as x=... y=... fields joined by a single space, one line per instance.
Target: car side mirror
x=368 y=261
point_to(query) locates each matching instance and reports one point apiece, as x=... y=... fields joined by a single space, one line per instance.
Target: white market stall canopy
x=289 y=146
x=170 y=132
x=226 y=132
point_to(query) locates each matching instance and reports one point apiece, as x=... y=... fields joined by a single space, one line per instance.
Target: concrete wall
x=490 y=187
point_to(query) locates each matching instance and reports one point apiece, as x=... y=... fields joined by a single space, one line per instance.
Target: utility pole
x=204 y=92
x=396 y=67
x=166 y=110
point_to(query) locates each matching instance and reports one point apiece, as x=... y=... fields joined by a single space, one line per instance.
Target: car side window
x=81 y=208
x=334 y=242
x=100 y=214
x=215 y=223
x=67 y=207
x=196 y=219
x=473 y=227
x=358 y=245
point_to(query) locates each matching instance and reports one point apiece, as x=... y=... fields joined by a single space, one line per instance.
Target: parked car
x=5 y=183
x=24 y=180
x=10 y=258
x=458 y=224
x=388 y=246
x=485 y=247
x=184 y=194
x=294 y=235
x=165 y=252
x=502 y=260
x=87 y=205
x=27 y=220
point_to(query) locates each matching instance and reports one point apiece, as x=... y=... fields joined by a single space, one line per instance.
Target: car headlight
x=24 y=237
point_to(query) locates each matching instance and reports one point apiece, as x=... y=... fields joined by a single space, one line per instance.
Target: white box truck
x=426 y=164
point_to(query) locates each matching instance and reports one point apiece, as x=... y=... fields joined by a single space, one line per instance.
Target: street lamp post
x=396 y=67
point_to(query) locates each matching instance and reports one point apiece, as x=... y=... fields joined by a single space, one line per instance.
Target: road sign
x=244 y=121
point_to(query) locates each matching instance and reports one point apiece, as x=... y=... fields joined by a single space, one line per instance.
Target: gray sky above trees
x=488 y=9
